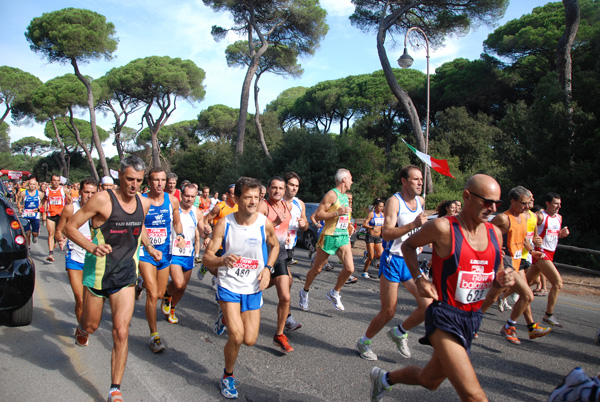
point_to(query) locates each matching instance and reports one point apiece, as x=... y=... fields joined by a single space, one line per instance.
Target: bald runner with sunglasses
x=466 y=263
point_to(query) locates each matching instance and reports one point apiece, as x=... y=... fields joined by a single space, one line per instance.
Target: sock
x=364 y=339
x=154 y=335
x=305 y=291
x=385 y=380
x=510 y=323
x=289 y=315
x=226 y=374
x=167 y=295
x=549 y=315
x=81 y=329
x=531 y=326
x=113 y=388
x=334 y=292
x=401 y=330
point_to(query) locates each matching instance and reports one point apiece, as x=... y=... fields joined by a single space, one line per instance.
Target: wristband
x=418 y=276
x=181 y=234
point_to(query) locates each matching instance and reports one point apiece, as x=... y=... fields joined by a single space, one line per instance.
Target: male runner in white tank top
x=403 y=215
x=243 y=272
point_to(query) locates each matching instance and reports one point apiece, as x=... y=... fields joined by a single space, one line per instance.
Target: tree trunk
x=399 y=92
x=95 y=135
x=155 y=150
x=563 y=59
x=261 y=135
x=87 y=152
x=63 y=161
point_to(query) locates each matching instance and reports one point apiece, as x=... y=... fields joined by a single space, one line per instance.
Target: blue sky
x=182 y=29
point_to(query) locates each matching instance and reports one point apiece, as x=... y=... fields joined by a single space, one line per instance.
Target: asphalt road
x=41 y=362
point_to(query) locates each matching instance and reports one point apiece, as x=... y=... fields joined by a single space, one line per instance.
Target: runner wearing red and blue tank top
x=466 y=264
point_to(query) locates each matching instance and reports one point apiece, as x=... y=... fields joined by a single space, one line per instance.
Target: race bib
x=379 y=221
x=518 y=255
x=29 y=213
x=342 y=222
x=55 y=200
x=244 y=266
x=186 y=251
x=472 y=287
x=157 y=236
x=552 y=234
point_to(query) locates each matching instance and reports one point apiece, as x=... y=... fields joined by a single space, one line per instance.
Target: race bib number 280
x=473 y=286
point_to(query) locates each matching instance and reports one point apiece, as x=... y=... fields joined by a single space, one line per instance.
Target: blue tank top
x=376 y=220
x=158 y=225
x=31 y=203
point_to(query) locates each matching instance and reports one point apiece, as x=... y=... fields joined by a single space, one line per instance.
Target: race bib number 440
x=473 y=286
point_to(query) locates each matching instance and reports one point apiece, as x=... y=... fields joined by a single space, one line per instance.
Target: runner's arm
x=59 y=236
x=210 y=259
x=390 y=212
x=91 y=208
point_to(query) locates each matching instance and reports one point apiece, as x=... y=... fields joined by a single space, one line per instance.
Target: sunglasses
x=486 y=201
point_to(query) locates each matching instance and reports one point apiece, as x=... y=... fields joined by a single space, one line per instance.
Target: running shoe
x=139 y=288
x=165 y=305
x=115 y=396
x=510 y=334
x=597 y=340
x=328 y=267
x=172 y=318
x=291 y=324
x=81 y=337
x=293 y=262
x=219 y=326
x=501 y=304
x=506 y=305
x=34 y=239
x=352 y=279
x=401 y=342
x=50 y=258
x=228 y=387
x=311 y=252
x=303 y=303
x=283 y=343
x=364 y=350
x=552 y=321
x=377 y=386
x=365 y=275
x=201 y=272
x=538 y=332
x=575 y=386
x=156 y=345
x=336 y=299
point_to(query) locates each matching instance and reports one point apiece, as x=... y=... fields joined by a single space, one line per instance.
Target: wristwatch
x=270 y=268
x=181 y=234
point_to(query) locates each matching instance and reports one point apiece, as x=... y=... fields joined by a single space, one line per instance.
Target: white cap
x=107 y=180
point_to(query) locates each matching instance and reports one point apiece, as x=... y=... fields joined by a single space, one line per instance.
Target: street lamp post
x=406 y=61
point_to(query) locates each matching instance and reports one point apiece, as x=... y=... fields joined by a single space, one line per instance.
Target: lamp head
x=405 y=61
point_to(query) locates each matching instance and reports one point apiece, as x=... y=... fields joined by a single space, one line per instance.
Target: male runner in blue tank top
x=163 y=212
x=466 y=263
x=111 y=262
x=29 y=202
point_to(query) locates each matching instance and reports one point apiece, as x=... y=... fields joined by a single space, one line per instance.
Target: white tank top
x=188 y=223
x=549 y=230
x=75 y=252
x=296 y=212
x=248 y=242
x=405 y=216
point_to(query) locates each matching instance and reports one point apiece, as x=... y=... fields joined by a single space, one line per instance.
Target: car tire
x=309 y=239
x=22 y=316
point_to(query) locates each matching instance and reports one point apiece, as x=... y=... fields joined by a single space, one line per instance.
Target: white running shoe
x=335 y=298
x=364 y=350
x=377 y=387
x=400 y=341
x=303 y=303
x=365 y=275
x=291 y=324
x=576 y=386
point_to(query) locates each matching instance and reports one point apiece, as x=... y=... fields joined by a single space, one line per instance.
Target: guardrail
x=576 y=268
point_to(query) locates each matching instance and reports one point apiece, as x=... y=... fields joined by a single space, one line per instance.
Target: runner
x=204 y=202
x=76 y=255
x=110 y=267
x=513 y=224
x=277 y=211
x=334 y=239
x=243 y=272
x=163 y=212
x=182 y=261
x=107 y=183
x=54 y=201
x=549 y=224
x=298 y=221
x=172 y=186
x=466 y=255
x=373 y=223
x=29 y=203
x=404 y=216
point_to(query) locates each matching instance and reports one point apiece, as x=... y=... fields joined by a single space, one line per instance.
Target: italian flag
x=439 y=165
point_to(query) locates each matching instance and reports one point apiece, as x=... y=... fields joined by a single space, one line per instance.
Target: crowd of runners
x=122 y=240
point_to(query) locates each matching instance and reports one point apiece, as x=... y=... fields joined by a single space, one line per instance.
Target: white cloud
x=338 y=7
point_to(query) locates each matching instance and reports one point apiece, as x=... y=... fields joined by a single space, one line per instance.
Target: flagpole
x=406 y=61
